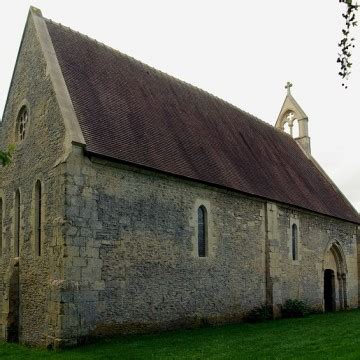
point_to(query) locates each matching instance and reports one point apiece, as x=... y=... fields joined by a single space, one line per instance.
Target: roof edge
x=107 y=159
x=15 y=66
x=328 y=178
x=332 y=183
x=72 y=126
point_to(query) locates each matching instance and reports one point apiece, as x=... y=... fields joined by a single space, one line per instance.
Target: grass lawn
x=325 y=336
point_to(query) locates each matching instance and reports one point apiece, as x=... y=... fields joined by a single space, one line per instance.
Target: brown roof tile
x=131 y=112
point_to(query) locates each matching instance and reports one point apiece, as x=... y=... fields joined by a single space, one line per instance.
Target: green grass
x=328 y=336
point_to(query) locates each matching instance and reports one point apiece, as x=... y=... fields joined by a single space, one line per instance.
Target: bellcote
x=291 y=114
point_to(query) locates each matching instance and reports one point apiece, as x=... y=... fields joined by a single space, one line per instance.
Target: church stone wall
x=133 y=246
x=133 y=261
x=34 y=159
x=304 y=278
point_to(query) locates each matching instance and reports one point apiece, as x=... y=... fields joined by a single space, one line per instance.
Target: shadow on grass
x=324 y=336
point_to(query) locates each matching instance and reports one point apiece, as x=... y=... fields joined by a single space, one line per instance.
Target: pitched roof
x=131 y=112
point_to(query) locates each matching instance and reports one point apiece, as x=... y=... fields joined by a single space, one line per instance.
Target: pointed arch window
x=38 y=220
x=202 y=231
x=17 y=224
x=294 y=241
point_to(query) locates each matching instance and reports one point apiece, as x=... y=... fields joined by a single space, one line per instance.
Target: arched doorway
x=334 y=267
x=329 y=290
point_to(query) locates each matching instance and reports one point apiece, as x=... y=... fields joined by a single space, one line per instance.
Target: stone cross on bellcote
x=288 y=86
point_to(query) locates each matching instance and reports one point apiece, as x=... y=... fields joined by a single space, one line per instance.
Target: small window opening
x=17 y=224
x=202 y=231
x=38 y=224
x=294 y=237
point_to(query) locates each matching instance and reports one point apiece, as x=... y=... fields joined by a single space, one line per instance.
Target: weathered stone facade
x=132 y=250
x=119 y=243
x=36 y=158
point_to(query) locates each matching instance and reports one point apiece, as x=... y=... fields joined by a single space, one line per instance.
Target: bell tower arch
x=292 y=115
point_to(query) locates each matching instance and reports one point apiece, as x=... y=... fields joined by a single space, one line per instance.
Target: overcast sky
x=241 y=51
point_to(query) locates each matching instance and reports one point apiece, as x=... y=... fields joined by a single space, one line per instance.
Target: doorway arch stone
x=334 y=263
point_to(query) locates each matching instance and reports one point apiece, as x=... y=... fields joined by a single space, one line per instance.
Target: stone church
x=136 y=202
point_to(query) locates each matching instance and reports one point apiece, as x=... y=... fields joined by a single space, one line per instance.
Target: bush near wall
x=260 y=313
x=293 y=308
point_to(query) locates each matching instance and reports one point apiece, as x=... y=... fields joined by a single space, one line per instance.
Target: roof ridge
x=172 y=77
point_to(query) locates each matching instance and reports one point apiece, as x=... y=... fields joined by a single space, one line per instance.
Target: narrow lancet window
x=38 y=227
x=294 y=238
x=1 y=225
x=17 y=224
x=202 y=233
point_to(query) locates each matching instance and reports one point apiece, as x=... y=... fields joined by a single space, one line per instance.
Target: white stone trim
x=73 y=130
